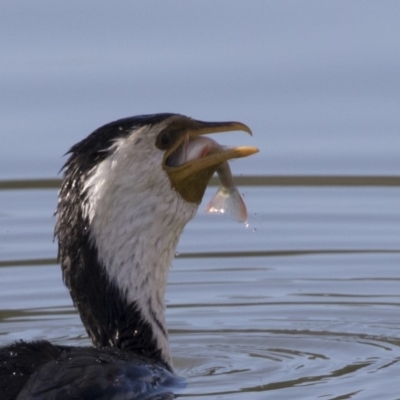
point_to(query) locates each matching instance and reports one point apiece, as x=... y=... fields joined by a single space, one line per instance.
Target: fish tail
x=228 y=201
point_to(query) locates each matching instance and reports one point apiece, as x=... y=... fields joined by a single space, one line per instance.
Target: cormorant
x=122 y=207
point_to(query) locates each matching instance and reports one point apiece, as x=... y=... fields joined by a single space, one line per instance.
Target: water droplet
x=177 y=253
x=246 y=225
x=255 y=214
x=254 y=229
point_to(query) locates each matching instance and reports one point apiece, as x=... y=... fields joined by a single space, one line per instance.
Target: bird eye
x=165 y=140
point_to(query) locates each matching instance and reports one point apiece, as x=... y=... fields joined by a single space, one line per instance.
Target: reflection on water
x=303 y=304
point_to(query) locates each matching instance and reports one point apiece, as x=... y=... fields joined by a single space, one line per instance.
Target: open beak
x=191 y=178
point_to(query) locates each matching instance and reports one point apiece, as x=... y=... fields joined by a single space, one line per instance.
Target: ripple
x=292 y=364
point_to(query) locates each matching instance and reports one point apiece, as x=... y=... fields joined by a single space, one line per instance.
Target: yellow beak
x=191 y=178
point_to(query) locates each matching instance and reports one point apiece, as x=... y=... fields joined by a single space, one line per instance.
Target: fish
x=227 y=199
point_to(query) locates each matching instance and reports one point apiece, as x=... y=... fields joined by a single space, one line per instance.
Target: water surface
x=304 y=303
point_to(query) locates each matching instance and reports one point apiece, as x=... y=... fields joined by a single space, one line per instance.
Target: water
x=304 y=303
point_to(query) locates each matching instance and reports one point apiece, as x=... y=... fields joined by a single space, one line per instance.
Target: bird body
x=84 y=373
x=122 y=207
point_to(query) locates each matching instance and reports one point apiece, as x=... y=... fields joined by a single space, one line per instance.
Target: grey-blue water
x=304 y=303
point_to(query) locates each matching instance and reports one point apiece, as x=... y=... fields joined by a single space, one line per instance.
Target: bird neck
x=135 y=259
x=122 y=312
x=116 y=244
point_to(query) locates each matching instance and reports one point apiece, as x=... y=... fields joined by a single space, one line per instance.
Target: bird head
x=123 y=204
x=137 y=155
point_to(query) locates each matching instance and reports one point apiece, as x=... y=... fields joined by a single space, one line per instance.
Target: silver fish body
x=227 y=200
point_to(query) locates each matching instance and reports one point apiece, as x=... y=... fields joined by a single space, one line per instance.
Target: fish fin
x=228 y=201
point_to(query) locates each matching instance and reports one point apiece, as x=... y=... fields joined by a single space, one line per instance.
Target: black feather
x=42 y=371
